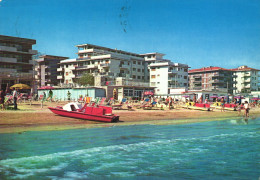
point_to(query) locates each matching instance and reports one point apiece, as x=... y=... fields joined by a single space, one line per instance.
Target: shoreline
x=34 y=118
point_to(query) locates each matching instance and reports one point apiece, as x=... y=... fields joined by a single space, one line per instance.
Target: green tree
x=86 y=79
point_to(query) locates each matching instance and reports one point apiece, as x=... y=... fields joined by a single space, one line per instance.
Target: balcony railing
x=60 y=69
x=60 y=77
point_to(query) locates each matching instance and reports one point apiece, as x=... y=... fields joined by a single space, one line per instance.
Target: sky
x=200 y=33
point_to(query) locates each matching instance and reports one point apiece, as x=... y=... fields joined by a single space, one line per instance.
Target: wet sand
x=34 y=118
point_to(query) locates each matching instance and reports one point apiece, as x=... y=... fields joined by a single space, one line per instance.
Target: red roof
x=244 y=69
x=208 y=69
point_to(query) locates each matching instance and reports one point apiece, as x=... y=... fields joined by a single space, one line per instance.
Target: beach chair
x=149 y=106
x=102 y=101
x=19 y=98
x=119 y=106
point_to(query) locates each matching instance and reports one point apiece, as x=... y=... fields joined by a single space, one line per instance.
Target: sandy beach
x=34 y=118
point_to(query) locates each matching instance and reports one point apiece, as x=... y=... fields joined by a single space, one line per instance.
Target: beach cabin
x=75 y=93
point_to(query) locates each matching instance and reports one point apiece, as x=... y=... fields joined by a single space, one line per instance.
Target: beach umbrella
x=239 y=97
x=46 y=87
x=21 y=86
x=148 y=93
x=213 y=96
x=255 y=99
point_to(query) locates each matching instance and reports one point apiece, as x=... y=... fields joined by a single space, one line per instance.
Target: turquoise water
x=211 y=150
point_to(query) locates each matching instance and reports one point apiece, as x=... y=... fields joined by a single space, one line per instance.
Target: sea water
x=210 y=150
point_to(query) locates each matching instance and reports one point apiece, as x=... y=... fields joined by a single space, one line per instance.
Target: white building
x=168 y=77
x=246 y=79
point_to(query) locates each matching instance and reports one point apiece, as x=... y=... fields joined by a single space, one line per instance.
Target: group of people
x=2 y=98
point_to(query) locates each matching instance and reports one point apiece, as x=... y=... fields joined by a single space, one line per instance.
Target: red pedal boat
x=74 y=110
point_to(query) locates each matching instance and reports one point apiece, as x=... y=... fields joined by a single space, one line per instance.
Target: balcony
x=85 y=51
x=123 y=66
x=8 y=60
x=248 y=86
x=104 y=65
x=219 y=81
x=247 y=80
x=72 y=67
x=60 y=69
x=92 y=66
x=218 y=75
x=33 y=51
x=6 y=48
x=122 y=75
x=60 y=77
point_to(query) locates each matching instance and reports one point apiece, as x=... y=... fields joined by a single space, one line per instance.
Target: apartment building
x=46 y=70
x=246 y=79
x=16 y=65
x=167 y=76
x=212 y=79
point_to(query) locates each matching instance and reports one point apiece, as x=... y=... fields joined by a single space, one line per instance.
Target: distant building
x=46 y=70
x=16 y=65
x=211 y=79
x=246 y=79
x=167 y=77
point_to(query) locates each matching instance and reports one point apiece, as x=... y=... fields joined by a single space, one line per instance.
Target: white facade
x=166 y=76
x=104 y=62
x=247 y=79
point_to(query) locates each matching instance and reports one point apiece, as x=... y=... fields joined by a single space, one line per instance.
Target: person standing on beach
x=15 y=95
x=246 y=106
x=50 y=94
x=2 y=99
x=222 y=103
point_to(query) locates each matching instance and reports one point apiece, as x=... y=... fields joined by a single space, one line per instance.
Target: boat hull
x=85 y=116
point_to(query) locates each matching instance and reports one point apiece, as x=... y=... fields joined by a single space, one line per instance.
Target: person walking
x=15 y=95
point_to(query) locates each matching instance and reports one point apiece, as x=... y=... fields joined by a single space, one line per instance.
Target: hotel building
x=246 y=78
x=46 y=70
x=167 y=77
x=16 y=65
x=104 y=62
x=212 y=79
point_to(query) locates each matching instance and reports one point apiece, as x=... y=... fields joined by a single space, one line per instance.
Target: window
x=158 y=75
x=138 y=77
x=153 y=69
x=185 y=77
x=139 y=63
x=134 y=69
x=158 y=82
x=153 y=76
x=67 y=73
x=138 y=70
x=134 y=76
x=134 y=62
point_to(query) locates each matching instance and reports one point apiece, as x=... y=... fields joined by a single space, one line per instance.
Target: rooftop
x=208 y=69
x=17 y=39
x=54 y=57
x=244 y=68
x=109 y=49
